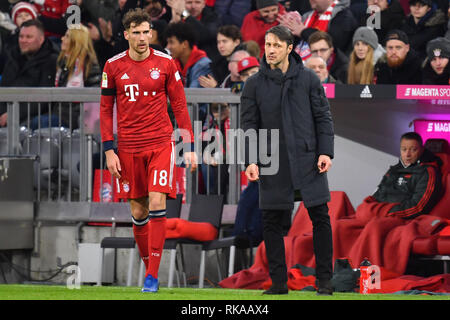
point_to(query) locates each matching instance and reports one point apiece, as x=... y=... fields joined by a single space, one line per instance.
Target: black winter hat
x=396 y=34
x=439 y=47
x=266 y=3
x=424 y=2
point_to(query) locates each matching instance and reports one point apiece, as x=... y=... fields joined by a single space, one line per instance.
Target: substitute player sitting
x=140 y=80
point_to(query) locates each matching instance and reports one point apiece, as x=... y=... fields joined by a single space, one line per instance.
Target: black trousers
x=274 y=224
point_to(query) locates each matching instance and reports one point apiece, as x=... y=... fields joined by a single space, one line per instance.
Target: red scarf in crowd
x=318 y=21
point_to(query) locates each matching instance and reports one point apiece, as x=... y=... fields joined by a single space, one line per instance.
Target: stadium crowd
x=359 y=41
x=220 y=44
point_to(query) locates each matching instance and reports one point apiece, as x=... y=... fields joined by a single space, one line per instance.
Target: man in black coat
x=287 y=98
x=401 y=64
x=31 y=63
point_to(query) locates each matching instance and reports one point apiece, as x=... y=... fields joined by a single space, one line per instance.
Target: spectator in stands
x=233 y=80
x=157 y=9
x=331 y=16
x=203 y=20
x=365 y=54
x=9 y=29
x=192 y=63
x=77 y=67
x=437 y=69
x=228 y=38
x=425 y=23
x=54 y=15
x=158 y=41
x=23 y=11
x=30 y=63
x=232 y=11
x=257 y=22
x=301 y=6
x=390 y=13
x=414 y=183
x=248 y=67
x=321 y=45
x=400 y=65
x=214 y=136
x=319 y=66
x=253 y=48
x=109 y=39
x=104 y=9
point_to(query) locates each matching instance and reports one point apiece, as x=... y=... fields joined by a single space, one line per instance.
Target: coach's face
x=277 y=51
x=139 y=37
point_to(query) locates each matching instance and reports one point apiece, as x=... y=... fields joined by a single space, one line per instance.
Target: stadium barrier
x=61 y=126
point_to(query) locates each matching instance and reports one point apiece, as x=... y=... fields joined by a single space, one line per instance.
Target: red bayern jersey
x=141 y=90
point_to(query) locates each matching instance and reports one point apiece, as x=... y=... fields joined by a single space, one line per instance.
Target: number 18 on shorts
x=147 y=171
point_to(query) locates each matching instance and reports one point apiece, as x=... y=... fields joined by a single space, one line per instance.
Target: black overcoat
x=295 y=103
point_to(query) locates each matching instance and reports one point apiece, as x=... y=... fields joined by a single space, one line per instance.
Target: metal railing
x=61 y=127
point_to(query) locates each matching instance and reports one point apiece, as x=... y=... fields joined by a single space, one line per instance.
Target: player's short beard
x=396 y=63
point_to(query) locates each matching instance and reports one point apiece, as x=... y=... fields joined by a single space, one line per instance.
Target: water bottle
x=365 y=278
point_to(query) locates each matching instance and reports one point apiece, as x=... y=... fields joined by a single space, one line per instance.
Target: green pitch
x=54 y=292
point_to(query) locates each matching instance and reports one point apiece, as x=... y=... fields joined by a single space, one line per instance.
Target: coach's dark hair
x=136 y=16
x=33 y=23
x=230 y=31
x=282 y=33
x=412 y=136
x=182 y=31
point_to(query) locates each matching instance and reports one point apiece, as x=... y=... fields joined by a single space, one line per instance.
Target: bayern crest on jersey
x=154 y=73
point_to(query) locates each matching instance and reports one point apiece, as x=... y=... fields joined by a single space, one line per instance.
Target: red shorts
x=147 y=171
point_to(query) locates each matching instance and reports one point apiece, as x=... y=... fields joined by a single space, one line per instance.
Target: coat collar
x=295 y=65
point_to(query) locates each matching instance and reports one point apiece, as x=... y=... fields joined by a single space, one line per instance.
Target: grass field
x=55 y=292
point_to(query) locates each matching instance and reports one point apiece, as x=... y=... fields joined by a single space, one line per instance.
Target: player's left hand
x=324 y=163
x=190 y=159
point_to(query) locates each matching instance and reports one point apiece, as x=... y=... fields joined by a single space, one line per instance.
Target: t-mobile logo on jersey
x=131 y=90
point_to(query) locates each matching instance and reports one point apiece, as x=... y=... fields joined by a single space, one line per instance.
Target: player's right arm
x=108 y=95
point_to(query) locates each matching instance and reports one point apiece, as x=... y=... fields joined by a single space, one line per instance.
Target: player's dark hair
x=412 y=136
x=33 y=23
x=282 y=33
x=182 y=31
x=136 y=16
x=230 y=31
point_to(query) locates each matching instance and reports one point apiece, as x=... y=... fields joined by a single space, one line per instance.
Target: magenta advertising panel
x=433 y=129
x=423 y=92
x=329 y=90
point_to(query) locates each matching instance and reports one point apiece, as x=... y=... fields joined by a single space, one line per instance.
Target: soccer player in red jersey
x=140 y=80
